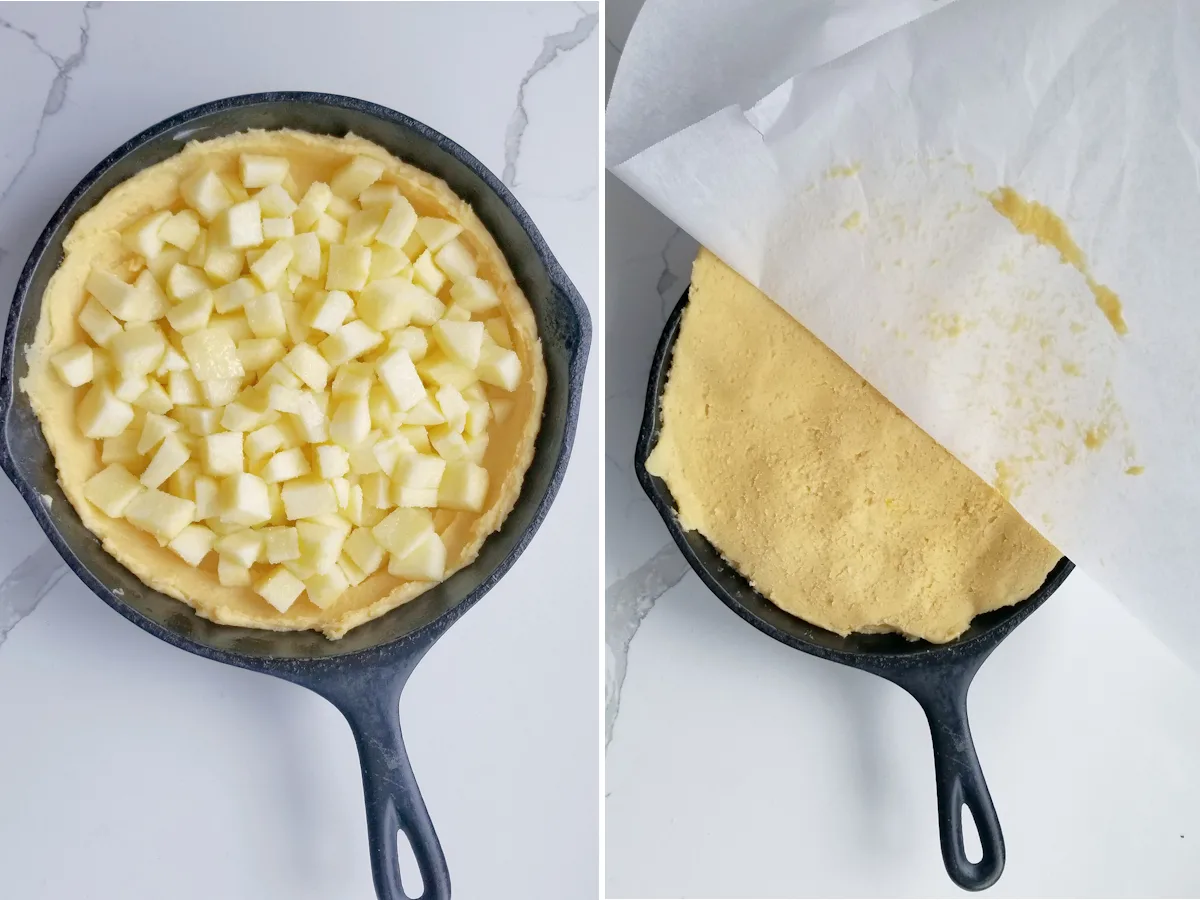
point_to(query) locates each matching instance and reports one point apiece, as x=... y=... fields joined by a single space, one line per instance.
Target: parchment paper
x=841 y=156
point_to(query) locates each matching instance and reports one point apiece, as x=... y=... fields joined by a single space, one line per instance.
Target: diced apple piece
x=171 y=454
x=220 y=391
x=412 y=340
x=193 y=544
x=310 y=420
x=212 y=354
x=460 y=341
x=356 y=176
x=352 y=380
x=244 y=546
x=349 y=342
x=456 y=261
x=285 y=465
x=425 y=412
x=244 y=500
x=137 y=351
x=498 y=332
x=276 y=203
x=306 y=255
x=321 y=542
x=231 y=573
x=206 y=492
x=161 y=266
x=282 y=544
x=240 y=226
x=234 y=296
x=278 y=229
x=258 y=354
x=125 y=301
x=348 y=268
x=332 y=461
x=478 y=415
x=224 y=264
x=474 y=294
x=207 y=194
x=387 y=303
x=304 y=498
x=192 y=314
x=74 y=365
x=464 y=486
x=456 y=313
x=195 y=256
x=111 y=490
x=454 y=408
x=236 y=191
x=181 y=229
x=377 y=491
x=264 y=313
x=198 y=420
x=427 y=274
x=437 y=369
x=341 y=490
x=101 y=414
x=143 y=237
x=172 y=361
x=263 y=441
x=363 y=225
x=398 y=374
x=99 y=324
x=403 y=530
x=388 y=451
x=417 y=437
x=280 y=588
x=436 y=233
x=154 y=399
x=221 y=453
x=154 y=429
x=424 y=498
x=351 y=421
x=129 y=388
x=156 y=299
x=259 y=171
x=185 y=281
x=324 y=589
x=448 y=443
x=341 y=209
x=312 y=206
x=183 y=388
x=309 y=365
x=270 y=268
x=328 y=311
x=379 y=194
x=363 y=550
x=499 y=367
x=161 y=514
x=425 y=562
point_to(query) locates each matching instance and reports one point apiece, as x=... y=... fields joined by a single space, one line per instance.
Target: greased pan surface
x=938 y=676
x=363 y=673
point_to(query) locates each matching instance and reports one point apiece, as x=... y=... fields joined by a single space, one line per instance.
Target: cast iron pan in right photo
x=936 y=675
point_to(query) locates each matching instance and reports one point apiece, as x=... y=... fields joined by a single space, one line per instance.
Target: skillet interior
x=562 y=325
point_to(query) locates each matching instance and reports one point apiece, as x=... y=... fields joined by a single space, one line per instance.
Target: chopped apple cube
x=220 y=391
x=195 y=256
x=244 y=546
x=464 y=486
x=172 y=361
x=163 y=515
x=193 y=544
x=283 y=398
x=348 y=268
x=312 y=206
x=185 y=281
x=162 y=264
x=341 y=209
x=125 y=301
x=231 y=573
x=282 y=544
x=398 y=374
x=321 y=542
x=356 y=176
x=436 y=233
x=454 y=408
x=403 y=530
x=280 y=588
x=328 y=310
x=309 y=365
x=224 y=264
x=424 y=498
x=425 y=562
x=101 y=414
x=183 y=388
x=448 y=443
x=241 y=225
x=270 y=268
x=304 y=498
x=74 y=365
x=425 y=412
x=498 y=332
x=212 y=354
x=244 y=500
x=259 y=171
x=99 y=324
x=111 y=490
x=192 y=314
x=351 y=421
x=456 y=261
x=387 y=303
x=377 y=491
x=221 y=453
x=329 y=231
x=352 y=379
x=427 y=274
x=280 y=374
x=388 y=451
x=129 y=388
x=278 y=229
x=143 y=236
x=206 y=492
x=138 y=350
x=234 y=296
x=436 y=368
x=181 y=229
x=363 y=225
x=154 y=399
x=417 y=436
x=332 y=461
x=276 y=203
x=412 y=340
x=325 y=588
x=264 y=313
x=285 y=465
x=170 y=456
x=263 y=441
x=379 y=194
x=206 y=194
x=478 y=415
x=237 y=192
x=310 y=420
x=456 y=313
x=398 y=226
x=349 y=342
x=306 y=258
x=460 y=341
x=258 y=354
x=474 y=294
x=499 y=367
x=364 y=551
x=154 y=429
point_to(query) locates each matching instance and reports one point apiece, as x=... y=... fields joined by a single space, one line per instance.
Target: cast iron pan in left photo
x=363 y=673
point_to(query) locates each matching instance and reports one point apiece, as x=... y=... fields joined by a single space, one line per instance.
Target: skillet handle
x=394 y=801
x=959 y=778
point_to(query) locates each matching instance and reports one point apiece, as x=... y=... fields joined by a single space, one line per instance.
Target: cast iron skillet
x=364 y=673
x=937 y=676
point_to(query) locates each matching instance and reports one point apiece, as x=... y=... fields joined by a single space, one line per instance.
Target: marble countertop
x=737 y=767
x=129 y=769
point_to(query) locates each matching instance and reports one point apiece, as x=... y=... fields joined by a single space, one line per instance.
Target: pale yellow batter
x=831 y=502
x=95 y=239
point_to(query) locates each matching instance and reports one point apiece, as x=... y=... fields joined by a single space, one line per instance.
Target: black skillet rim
x=985 y=633
x=565 y=291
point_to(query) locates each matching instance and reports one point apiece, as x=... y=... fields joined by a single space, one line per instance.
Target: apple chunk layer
x=283 y=361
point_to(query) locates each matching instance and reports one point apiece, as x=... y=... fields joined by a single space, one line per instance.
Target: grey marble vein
x=627 y=603
x=57 y=94
x=552 y=46
x=26 y=585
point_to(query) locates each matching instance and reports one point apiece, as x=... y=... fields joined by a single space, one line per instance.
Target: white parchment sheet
x=843 y=157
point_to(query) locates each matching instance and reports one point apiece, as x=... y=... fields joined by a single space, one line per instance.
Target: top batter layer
x=96 y=242
x=831 y=502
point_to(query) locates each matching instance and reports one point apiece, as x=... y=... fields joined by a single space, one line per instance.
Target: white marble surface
x=740 y=768
x=129 y=769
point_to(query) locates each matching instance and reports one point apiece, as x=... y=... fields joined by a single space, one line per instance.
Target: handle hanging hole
x=410 y=873
x=972 y=846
